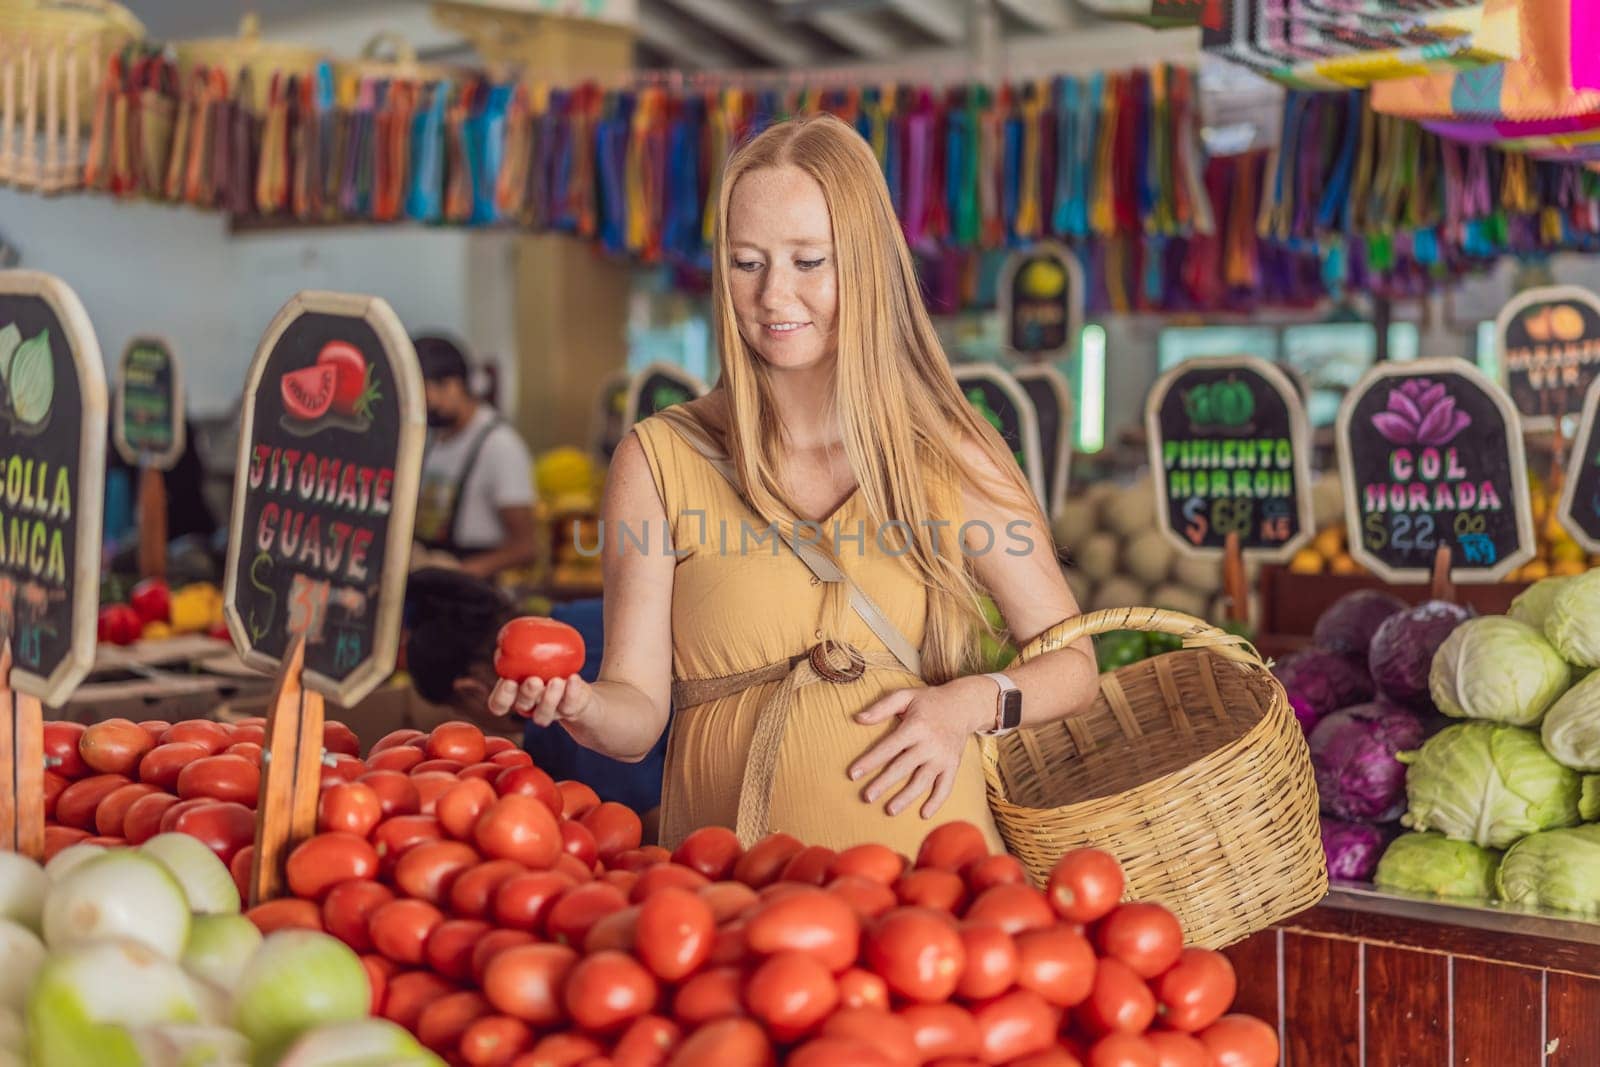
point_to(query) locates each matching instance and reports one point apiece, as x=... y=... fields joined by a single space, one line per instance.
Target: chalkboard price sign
x=52 y=457
x=148 y=425
x=1549 y=351
x=1051 y=397
x=330 y=453
x=1230 y=451
x=1580 y=494
x=656 y=388
x=1041 y=301
x=1430 y=454
x=1004 y=404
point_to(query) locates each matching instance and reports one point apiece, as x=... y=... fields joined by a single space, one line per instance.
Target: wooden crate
x=1292 y=603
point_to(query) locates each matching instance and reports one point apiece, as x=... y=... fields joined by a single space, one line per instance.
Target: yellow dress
x=739 y=606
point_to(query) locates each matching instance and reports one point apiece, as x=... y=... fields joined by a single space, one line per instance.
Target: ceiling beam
x=1047 y=16
x=859 y=34
x=740 y=23
x=680 y=42
x=943 y=20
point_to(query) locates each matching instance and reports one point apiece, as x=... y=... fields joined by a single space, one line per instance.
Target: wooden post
x=152 y=523
x=21 y=766
x=291 y=777
x=1441 y=587
x=1233 y=580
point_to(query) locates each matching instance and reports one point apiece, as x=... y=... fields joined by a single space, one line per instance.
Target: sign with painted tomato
x=52 y=483
x=1431 y=456
x=1549 y=351
x=1579 y=510
x=1230 y=448
x=148 y=424
x=330 y=455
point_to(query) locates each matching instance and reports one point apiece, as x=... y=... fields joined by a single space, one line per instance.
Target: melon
x=1175 y=597
x=1119 y=592
x=1074 y=525
x=1132 y=510
x=1149 y=557
x=1096 y=556
x=1201 y=575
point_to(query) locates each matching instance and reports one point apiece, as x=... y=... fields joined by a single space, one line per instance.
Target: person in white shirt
x=477 y=495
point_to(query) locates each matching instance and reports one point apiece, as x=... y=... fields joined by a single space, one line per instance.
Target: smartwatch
x=1008 y=707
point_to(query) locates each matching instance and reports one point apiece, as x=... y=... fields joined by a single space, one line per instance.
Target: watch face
x=1012 y=712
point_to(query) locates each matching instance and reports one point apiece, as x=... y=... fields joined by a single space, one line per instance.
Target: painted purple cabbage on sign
x=1421 y=412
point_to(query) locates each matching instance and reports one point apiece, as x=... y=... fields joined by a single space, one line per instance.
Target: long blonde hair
x=901 y=412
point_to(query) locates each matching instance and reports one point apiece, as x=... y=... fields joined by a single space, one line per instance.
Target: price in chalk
x=1430 y=458
x=1229 y=443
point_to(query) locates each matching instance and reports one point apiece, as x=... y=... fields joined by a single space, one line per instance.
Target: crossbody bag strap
x=467 y=467
x=818 y=563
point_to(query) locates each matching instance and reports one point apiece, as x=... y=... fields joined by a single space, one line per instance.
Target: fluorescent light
x=1092 y=390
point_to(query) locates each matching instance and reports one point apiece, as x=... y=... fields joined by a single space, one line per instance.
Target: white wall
x=149 y=268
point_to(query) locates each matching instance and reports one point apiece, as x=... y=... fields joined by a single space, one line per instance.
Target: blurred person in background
x=476 y=500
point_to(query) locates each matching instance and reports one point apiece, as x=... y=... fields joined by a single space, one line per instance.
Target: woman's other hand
x=926 y=745
x=566 y=699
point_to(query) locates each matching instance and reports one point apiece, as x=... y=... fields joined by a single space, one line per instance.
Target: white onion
x=362 y=1041
x=23 y=886
x=116 y=982
x=119 y=894
x=206 y=882
x=219 y=948
x=68 y=859
x=297 y=981
x=190 y=1043
x=22 y=954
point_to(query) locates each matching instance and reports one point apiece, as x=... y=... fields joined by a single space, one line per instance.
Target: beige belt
x=827 y=661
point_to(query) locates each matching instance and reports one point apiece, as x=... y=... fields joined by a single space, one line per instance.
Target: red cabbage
x=1349 y=623
x=1319 y=682
x=1353 y=848
x=1402 y=650
x=1353 y=751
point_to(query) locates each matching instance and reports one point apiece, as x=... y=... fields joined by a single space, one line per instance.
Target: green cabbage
x=1558 y=869
x=1489 y=784
x=1435 y=866
x=1570 y=624
x=1498 y=669
x=1571 y=730
x=1532 y=605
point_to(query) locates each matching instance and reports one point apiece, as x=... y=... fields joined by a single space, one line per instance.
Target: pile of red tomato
x=508 y=919
x=121 y=782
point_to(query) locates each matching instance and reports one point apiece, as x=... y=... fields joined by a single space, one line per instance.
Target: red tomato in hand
x=1196 y=991
x=537 y=647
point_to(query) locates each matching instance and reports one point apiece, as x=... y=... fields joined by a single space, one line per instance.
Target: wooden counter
x=1372 y=980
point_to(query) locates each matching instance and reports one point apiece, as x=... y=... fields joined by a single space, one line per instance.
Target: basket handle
x=1196 y=633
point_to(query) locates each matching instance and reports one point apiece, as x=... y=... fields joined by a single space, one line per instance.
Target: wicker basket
x=1189 y=767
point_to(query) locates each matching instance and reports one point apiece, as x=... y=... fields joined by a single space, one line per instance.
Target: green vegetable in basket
x=1120 y=648
x=1156 y=644
x=1558 y=869
x=1433 y=865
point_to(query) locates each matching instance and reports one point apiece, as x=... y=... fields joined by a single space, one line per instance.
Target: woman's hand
x=926 y=745
x=566 y=699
